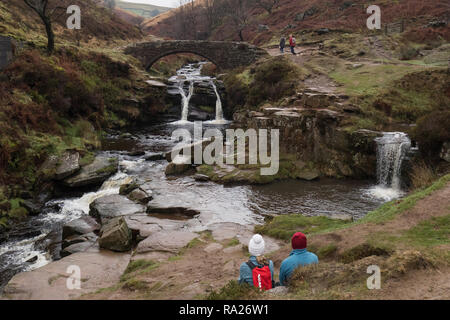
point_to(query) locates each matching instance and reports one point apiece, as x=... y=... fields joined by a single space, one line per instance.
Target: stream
x=35 y=242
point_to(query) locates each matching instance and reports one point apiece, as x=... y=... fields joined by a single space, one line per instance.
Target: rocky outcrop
x=315 y=135
x=109 y=207
x=115 y=235
x=99 y=270
x=93 y=174
x=167 y=241
x=83 y=225
x=68 y=165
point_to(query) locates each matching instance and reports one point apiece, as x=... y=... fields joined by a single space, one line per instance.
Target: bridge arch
x=165 y=54
x=224 y=54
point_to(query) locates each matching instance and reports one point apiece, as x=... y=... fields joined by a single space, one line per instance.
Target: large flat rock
x=93 y=174
x=166 y=241
x=108 y=207
x=98 y=270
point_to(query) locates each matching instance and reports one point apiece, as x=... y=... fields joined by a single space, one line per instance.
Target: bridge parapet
x=225 y=55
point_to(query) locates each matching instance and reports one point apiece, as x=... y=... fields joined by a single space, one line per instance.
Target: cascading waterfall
x=219 y=112
x=192 y=73
x=185 y=99
x=392 y=148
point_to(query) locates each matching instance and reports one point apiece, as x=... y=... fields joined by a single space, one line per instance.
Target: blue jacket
x=245 y=273
x=297 y=257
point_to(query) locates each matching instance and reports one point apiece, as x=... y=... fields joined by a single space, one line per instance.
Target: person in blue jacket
x=299 y=256
x=256 y=247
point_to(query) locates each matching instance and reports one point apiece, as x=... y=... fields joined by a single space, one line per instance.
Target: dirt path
x=315 y=82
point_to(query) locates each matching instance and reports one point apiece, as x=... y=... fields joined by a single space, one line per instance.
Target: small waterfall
x=219 y=112
x=392 y=148
x=192 y=73
x=185 y=99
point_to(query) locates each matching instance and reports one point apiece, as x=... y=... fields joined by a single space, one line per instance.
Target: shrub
x=431 y=132
x=233 y=290
x=274 y=79
x=408 y=52
x=422 y=175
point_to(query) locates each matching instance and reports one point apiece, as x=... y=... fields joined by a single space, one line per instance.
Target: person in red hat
x=299 y=256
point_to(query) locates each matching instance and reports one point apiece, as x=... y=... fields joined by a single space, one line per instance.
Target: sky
x=162 y=3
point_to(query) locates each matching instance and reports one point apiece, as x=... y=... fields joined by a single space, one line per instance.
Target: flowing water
x=36 y=242
x=191 y=74
x=392 y=148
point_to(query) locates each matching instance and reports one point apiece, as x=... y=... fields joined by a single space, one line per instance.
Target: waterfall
x=192 y=73
x=185 y=99
x=219 y=112
x=392 y=148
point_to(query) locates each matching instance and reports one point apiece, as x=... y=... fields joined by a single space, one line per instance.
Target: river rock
x=179 y=165
x=167 y=241
x=108 y=207
x=68 y=165
x=140 y=196
x=83 y=225
x=74 y=239
x=145 y=225
x=80 y=247
x=98 y=270
x=155 y=157
x=201 y=177
x=115 y=235
x=93 y=174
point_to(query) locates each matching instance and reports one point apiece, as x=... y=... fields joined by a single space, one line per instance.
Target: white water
x=391 y=151
x=192 y=74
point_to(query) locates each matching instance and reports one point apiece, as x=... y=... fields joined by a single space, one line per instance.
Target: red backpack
x=262 y=277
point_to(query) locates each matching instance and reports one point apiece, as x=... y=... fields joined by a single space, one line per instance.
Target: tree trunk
x=240 y=35
x=50 y=34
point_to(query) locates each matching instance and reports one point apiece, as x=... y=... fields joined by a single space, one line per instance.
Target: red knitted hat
x=298 y=241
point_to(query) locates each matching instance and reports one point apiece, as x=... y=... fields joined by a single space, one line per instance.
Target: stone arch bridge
x=225 y=55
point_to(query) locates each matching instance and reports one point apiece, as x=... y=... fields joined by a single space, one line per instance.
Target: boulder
x=201 y=177
x=108 y=207
x=80 y=247
x=74 y=239
x=115 y=235
x=83 y=225
x=155 y=157
x=93 y=174
x=179 y=165
x=68 y=165
x=140 y=196
x=127 y=188
x=166 y=241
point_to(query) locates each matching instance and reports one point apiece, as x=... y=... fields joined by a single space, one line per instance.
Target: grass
x=391 y=209
x=284 y=226
x=431 y=232
x=138 y=267
x=234 y=291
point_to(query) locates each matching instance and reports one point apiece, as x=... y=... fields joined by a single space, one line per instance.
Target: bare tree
x=212 y=13
x=239 y=13
x=268 y=5
x=46 y=12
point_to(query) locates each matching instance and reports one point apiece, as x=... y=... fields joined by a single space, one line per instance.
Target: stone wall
x=6 y=51
x=225 y=55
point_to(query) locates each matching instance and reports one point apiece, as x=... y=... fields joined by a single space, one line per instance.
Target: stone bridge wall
x=225 y=55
